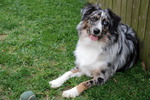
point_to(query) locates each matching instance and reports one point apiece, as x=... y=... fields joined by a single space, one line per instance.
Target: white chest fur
x=89 y=55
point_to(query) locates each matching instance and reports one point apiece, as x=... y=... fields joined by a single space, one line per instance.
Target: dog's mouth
x=94 y=38
x=97 y=37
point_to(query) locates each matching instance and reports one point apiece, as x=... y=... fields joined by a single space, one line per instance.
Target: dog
x=105 y=46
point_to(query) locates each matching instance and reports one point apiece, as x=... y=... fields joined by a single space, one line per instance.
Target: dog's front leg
x=60 y=80
x=99 y=79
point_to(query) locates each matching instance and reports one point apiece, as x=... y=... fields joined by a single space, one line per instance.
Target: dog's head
x=98 y=22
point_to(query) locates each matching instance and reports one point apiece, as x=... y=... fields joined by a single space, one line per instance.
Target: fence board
x=146 y=51
x=114 y=8
x=129 y=12
x=123 y=10
x=109 y=4
x=102 y=2
x=135 y=13
x=118 y=7
x=142 y=23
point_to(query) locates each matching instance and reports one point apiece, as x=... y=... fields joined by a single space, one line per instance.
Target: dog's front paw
x=55 y=83
x=72 y=93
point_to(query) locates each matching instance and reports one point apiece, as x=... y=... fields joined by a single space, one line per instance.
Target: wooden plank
x=114 y=8
x=118 y=7
x=102 y=2
x=123 y=10
x=129 y=12
x=106 y=4
x=109 y=4
x=135 y=14
x=146 y=51
x=142 y=24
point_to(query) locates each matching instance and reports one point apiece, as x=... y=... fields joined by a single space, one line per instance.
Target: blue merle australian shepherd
x=105 y=46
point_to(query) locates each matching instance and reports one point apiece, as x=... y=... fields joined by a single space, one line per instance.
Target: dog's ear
x=115 y=18
x=88 y=9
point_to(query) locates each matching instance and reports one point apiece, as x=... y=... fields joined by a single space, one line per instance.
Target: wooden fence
x=135 y=13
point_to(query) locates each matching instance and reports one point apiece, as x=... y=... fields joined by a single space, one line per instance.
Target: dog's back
x=129 y=47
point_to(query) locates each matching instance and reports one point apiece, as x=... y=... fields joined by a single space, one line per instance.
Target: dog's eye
x=105 y=23
x=93 y=19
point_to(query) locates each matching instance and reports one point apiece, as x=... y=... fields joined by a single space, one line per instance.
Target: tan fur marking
x=81 y=87
x=75 y=71
x=96 y=72
x=85 y=24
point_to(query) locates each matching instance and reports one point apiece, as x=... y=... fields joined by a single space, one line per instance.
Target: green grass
x=37 y=40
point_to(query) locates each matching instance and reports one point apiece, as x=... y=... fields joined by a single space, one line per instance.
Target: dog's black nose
x=96 y=31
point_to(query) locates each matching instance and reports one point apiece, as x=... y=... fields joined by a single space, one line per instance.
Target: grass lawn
x=37 y=40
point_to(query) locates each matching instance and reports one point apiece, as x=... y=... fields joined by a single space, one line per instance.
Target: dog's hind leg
x=60 y=80
x=99 y=79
